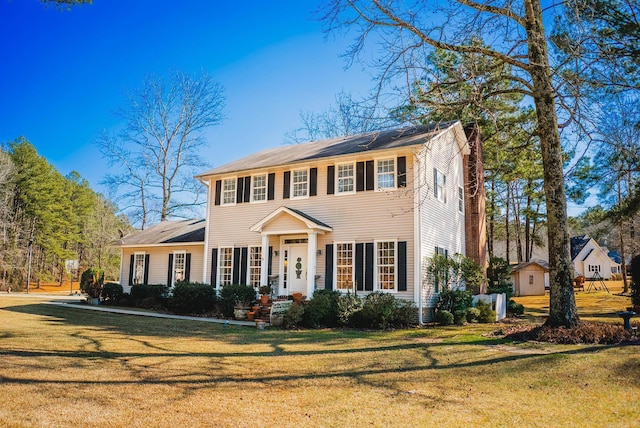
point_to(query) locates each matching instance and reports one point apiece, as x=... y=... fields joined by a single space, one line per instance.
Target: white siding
x=159 y=262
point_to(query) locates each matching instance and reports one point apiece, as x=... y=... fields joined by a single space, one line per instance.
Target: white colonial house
x=354 y=214
x=590 y=259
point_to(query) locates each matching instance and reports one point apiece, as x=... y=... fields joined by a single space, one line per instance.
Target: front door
x=295 y=269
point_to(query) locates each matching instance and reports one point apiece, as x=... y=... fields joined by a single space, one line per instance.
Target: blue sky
x=63 y=73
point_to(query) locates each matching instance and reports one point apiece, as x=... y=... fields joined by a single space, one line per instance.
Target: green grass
x=64 y=366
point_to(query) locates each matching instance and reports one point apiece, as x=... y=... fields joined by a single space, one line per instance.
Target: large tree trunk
x=492 y=218
x=506 y=224
x=562 y=304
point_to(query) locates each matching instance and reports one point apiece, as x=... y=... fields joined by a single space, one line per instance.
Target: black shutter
x=313 y=181
x=239 y=190
x=359 y=176
x=218 y=192
x=146 y=269
x=271 y=186
x=370 y=179
x=243 y=267
x=360 y=266
x=402 y=171
x=187 y=267
x=328 y=271
x=214 y=267
x=247 y=189
x=286 y=183
x=131 y=262
x=170 y=270
x=331 y=177
x=402 y=266
x=236 y=266
x=269 y=270
x=368 y=266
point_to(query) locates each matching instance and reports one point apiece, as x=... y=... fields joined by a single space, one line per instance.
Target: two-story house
x=357 y=214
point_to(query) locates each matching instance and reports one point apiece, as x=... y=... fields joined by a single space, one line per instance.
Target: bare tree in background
x=514 y=35
x=157 y=152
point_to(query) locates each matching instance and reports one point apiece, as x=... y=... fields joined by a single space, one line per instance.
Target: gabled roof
x=309 y=221
x=615 y=256
x=166 y=233
x=544 y=265
x=577 y=244
x=373 y=141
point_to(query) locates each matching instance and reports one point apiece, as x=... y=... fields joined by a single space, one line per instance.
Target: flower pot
x=255 y=308
x=297 y=297
x=93 y=300
x=251 y=315
x=240 y=313
x=264 y=299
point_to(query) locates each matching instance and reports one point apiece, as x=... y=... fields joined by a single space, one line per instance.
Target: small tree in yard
x=91 y=282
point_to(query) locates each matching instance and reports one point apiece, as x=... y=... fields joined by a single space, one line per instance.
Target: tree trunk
x=562 y=304
x=527 y=224
x=623 y=263
x=492 y=218
x=506 y=224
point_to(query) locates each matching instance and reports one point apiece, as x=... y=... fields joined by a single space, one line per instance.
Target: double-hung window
x=345 y=176
x=228 y=191
x=439 y=180
x=226 y=265
x=138 y=268
x=255 y=266
x=344 y=266
x=179 y=266
x=386 y=260
x=300 y=183
x=460 y=200
x=386 y=174
x=259 y=188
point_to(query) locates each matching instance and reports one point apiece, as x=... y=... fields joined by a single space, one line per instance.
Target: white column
x=311 y=263
x=264 y=268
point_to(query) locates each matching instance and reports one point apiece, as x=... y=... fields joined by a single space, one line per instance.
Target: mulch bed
x=584 y=333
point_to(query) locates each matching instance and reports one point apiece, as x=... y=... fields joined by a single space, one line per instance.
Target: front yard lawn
x=64 y=366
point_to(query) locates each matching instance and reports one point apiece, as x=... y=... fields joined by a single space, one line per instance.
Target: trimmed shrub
x=472 y=314
x=294 y=315
x=322 y=309
x=140 y=292
x=406 y=314
x=91 y=282
x=514 y=308
x=192 y=298
x=487 y=315
x=112 y=292
x=232 y=295
x=460 y=316
x=379 y=310
x=454 y=300
x=443 y=317
x=347 y=305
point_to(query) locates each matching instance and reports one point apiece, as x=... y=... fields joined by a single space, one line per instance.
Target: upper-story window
x=439 y=181
x=345 y=176
x=259 y=188
x=460 y=199
x=300 y=183
x=228 y=191
x=386 y=174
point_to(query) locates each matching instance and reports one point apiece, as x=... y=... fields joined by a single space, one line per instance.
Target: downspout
x=205 y=262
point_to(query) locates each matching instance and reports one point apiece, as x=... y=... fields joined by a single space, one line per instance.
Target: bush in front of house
x=472 y=314
x=112 y=292
x=232 y=295
x=293 y=317
x=454 y=300
x=149 y=296
x=192 y=298
x=382 y=310
x=487 y=315
x=514 y=308
x=91 y=282
x=443 y=317
x=322 y=309
x=347 y=305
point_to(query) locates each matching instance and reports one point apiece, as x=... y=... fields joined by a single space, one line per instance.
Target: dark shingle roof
x=167 y=232
x=543 y=264
x=294 y=153
x=577 y=244
x=308 y=217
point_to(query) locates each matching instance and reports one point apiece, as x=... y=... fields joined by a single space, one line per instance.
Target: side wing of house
x=161 y=264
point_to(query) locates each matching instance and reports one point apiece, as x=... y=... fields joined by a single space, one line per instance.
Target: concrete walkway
x=75 y=302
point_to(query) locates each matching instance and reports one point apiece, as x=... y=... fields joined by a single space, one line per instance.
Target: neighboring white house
x=530 y=278
x=590 y=259
x=167 y=252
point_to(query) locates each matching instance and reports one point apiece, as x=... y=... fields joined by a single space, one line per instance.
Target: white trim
x=205 y=250
x=417 y=238
x=291 y=186
x=249 y=247
x=173 y=266
x=395 y=173
x=219 y=266
x=442 y=197
x=337 y=180
x=235 y=191
x=266 y=188
x=461 y=199
x=376 y=285
x=353 y=266
x=144 y=263
x=259 y=226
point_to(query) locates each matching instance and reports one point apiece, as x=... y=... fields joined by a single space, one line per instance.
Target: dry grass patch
x=63 y=366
